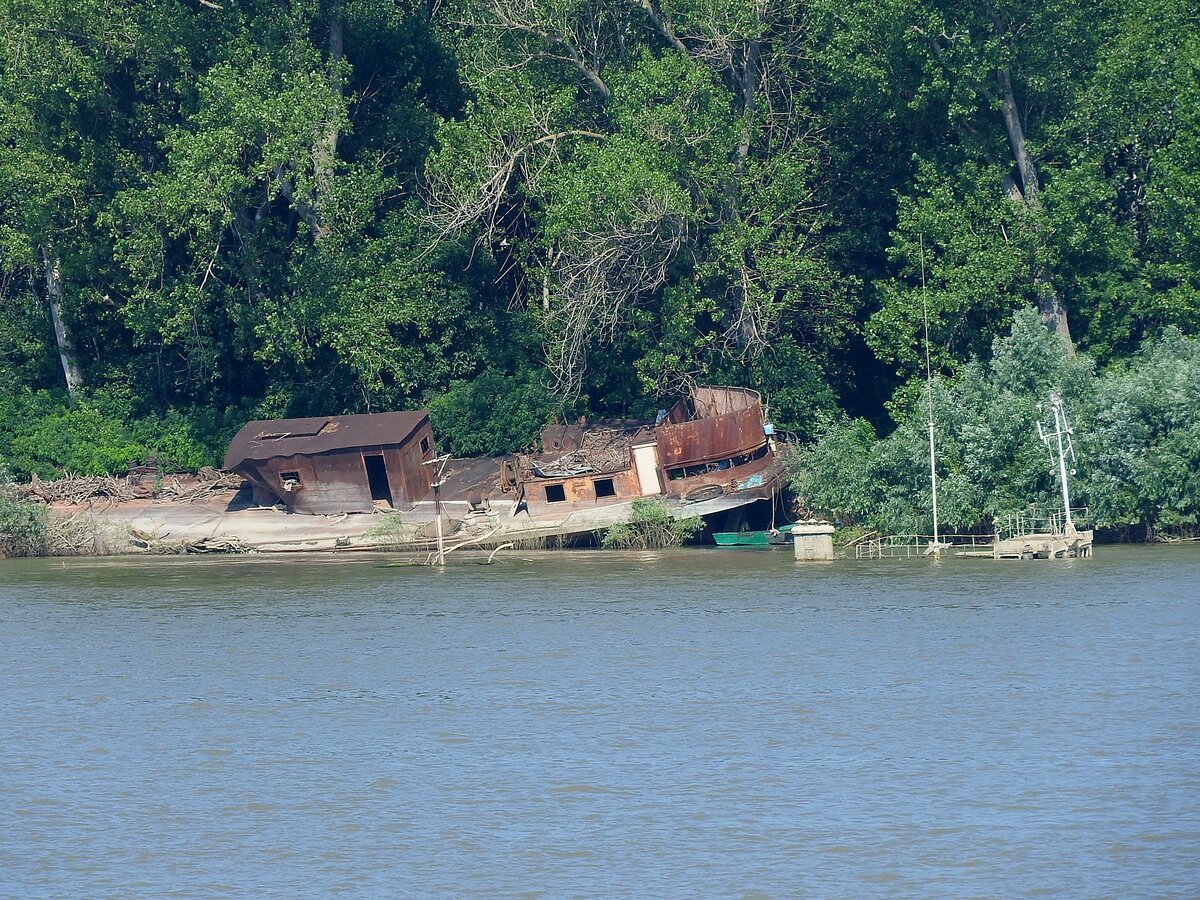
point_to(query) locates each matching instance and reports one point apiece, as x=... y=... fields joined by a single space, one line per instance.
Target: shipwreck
x=377 y=482
x=713 y=455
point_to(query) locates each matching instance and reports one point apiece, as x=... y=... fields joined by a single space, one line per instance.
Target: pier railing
x=915 y=546
x=1035 y=520
x=1039 y=521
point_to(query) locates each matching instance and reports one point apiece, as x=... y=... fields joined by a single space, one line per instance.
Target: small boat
x=771 y=538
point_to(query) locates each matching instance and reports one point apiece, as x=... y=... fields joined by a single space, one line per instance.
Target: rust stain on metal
x=728 y=423
x=707 y=440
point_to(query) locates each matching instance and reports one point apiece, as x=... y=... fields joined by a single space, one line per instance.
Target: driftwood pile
x=601 y=450
x=153 y=544
x=76 y=489
x=207 y=482
x=75 y=536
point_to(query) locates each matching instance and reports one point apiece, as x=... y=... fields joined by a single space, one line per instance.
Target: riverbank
x=212 y=513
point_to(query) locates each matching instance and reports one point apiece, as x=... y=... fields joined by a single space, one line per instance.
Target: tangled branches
x=599 y=272
x=77 y=489
x=151 y=543
x=474 y=195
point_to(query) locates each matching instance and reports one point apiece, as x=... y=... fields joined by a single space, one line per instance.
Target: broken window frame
x=733 y=462
x=610 y=488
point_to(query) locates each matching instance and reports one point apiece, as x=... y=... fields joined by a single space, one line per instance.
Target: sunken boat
x=713 y=454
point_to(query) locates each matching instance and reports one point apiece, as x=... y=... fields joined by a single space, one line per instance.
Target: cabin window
x=290 y=480
x=555 y=493
x=425 y=446
x=604 y=487
x=718 y=466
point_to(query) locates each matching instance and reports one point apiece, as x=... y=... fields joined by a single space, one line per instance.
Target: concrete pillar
x=813 y=541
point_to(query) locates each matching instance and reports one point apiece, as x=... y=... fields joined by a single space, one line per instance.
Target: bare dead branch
x=662 y=24
x=598 y=274
x=531 y=19
x=453 y=207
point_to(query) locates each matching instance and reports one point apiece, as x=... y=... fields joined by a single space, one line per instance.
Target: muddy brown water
x=691 y=723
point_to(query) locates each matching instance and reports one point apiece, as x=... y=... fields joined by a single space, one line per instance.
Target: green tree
x=614 y=154
x=976 y=100
x=1136 y=244
x=60 y=129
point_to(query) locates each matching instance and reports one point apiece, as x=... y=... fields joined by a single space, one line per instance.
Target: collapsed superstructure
x=712 y=452
x=326 y=465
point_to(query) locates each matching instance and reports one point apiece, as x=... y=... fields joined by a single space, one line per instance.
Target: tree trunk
x=1054 y=314
x=325 y=148
x=62 y=333
x=336 y=54
x=1026 y=168
x=749 y=341
x=1050 y=305
x=749 y=80
x=744 y=330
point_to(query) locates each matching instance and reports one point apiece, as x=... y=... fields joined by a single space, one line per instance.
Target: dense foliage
x=24 y=526
x=1137 y=442
x=511 y=209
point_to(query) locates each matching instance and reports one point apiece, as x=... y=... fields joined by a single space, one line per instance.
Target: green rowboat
x=776 y=537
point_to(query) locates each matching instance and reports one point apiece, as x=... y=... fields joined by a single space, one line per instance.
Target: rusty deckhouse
x=336 y=464
x=717 y=444
x=711 y=453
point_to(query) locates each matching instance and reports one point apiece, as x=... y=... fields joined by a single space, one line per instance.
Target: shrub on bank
x=1136 y=435
x=651 y=527
x=494 y=413
x=46 y=434
x=24 y=527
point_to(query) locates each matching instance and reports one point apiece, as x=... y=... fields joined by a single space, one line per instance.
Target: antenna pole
x=437 y=506
x=937 y=544
x=1061 y=430
x=439 y=462
x=1060 y=426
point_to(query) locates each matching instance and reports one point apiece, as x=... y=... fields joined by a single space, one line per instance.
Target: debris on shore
x=79 y=489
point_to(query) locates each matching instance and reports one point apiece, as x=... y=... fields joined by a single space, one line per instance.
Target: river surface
x=692 y=723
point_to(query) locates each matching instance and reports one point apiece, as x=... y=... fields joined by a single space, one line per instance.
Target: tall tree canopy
x=215 y=210
x=647 y=176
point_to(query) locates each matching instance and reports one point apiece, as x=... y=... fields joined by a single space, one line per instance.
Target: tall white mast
x=937 y=544
x=1061 y=430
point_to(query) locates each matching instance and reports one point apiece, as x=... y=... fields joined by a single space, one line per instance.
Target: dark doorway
x=377 y=479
